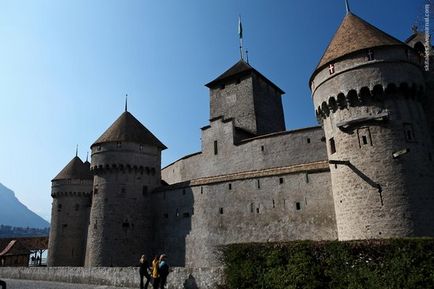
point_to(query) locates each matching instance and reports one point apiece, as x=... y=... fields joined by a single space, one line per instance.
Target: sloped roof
x=355 y=34
x=239 y=69
x=128 y=129
x=15 y=248
x=75 y=169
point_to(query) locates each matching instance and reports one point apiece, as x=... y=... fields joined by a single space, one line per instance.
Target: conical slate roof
x=239 y=69
x=355 y=34
x=75 y=169
x=128 y=129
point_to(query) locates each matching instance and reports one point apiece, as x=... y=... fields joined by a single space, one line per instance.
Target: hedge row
x=388 y=264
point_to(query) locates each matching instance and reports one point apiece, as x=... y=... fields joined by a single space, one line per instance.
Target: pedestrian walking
x=144 y=272
x=163 y=270
x=154 y=273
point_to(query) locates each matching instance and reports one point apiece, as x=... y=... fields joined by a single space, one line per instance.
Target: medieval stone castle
x=365 y=173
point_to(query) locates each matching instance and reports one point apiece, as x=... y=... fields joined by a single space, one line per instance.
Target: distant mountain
x=13 y=213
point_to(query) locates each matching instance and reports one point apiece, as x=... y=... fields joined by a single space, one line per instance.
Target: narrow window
x=186 y=215
x=123 y=191
x=221 y=211
x=257 y=210
x=258 y=184
x=177 y=212
x=144 y=190
x=332 y=146
x=125 y=225
x=331 y=69
x=409 y=132
x=215 y=148
x=298 y=206
x=201 y=190
x=308 y=140
x=371 y=55
x=280 y=180
x=98 y=148
x=230 y=186
x=307 y=178
x=59 y=207
x=251 y=207
x=274 y=204
x=183 y=191
x=364 y=135
x=262 y=148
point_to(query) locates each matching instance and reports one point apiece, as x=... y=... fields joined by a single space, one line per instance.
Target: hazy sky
x=65 y=67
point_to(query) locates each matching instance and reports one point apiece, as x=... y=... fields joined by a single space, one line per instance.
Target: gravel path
x=31 y=284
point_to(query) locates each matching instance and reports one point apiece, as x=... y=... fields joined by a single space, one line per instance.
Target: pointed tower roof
x=239 y=69
x=128 y=129
x=355 y=34
x=75 y=169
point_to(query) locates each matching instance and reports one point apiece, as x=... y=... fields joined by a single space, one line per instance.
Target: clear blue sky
x=65 y=67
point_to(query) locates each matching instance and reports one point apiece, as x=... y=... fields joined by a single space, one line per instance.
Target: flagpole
x=240 y=34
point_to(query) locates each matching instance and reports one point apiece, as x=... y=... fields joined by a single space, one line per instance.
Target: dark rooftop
x=75 y=169
x=128 y=129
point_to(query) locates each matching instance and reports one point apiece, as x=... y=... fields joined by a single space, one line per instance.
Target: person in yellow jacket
x=154 y=273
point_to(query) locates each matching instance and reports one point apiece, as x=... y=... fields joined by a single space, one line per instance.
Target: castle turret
x=126 y=162
x=253 y=101
x=368 y=91
x=71 y=191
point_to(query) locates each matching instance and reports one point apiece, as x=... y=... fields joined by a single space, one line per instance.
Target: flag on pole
x=240 y=28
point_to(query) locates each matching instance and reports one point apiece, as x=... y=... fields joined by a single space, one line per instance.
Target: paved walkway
x=31 y=284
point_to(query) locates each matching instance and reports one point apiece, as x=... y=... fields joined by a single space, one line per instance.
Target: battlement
x=70 y=194
x=367 y=95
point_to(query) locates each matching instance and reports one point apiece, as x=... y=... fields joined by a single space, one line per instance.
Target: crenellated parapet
x=71 y=194
x=123 y=168
x=368 y=95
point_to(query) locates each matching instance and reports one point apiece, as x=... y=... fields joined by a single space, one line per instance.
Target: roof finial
x=240 y=34
x=126 y=102
x=76 y=151
x=347 y=6
x=87 y=156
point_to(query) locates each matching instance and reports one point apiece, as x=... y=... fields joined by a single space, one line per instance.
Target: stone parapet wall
x=179 y=277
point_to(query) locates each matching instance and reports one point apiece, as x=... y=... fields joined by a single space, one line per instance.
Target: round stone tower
x=368 y=91
x=126 y=162
x=71 y=191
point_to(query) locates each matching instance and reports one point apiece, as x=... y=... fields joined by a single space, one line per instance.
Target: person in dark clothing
x=3 y=284
x=144 y=272
x=163 y=270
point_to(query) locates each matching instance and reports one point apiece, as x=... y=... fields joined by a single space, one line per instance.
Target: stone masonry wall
x=198 y=278
x=377 y=195
x=268 y=151
x=288 y=203
x=69 y=221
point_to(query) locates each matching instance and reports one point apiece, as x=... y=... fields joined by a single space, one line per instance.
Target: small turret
x=126 y=161
x=71 y=191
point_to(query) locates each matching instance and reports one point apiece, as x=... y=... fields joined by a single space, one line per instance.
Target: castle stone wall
x=125 y=174
x=259 y=206
x=197 y=278
x=375 y=194
x=268 y=151
x=69 y=221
